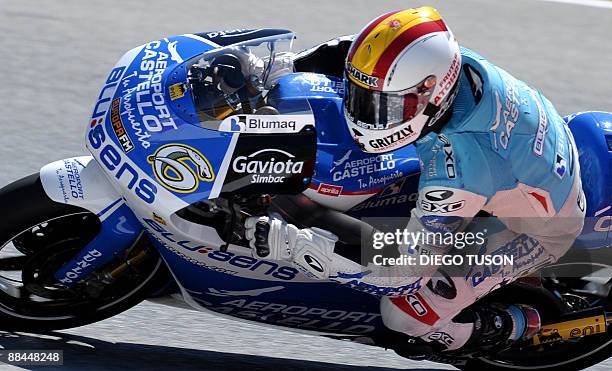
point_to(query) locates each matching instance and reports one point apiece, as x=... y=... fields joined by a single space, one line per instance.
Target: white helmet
x=402 y=73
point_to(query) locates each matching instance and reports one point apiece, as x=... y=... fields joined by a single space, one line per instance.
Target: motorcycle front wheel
x=37 y=237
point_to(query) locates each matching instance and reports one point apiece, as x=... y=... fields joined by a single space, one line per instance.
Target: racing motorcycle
x=183 y=149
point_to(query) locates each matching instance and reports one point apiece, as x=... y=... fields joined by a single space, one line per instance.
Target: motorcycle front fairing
x=129 y=148
x=159 y=156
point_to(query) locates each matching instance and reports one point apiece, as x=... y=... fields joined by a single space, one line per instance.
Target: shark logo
x=173 y=166
x=251 y=293
x=392 y=189
x=174 y=55
x=341 y=160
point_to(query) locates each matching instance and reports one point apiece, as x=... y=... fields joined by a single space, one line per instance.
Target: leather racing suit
x=505 y=151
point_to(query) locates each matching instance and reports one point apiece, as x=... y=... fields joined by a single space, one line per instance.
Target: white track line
x=593 y=3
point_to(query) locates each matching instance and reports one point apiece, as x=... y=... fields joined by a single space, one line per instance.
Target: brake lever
x=238 y=216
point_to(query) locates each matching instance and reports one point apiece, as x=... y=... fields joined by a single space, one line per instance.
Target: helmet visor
x=377 y=110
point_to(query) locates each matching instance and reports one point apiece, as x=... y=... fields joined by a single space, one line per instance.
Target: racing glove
x=309 y=249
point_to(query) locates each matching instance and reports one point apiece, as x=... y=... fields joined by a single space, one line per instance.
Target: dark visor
x=376 y=110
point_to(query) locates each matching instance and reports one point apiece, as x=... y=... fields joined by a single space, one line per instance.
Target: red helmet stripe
x=363 y=34
x=398 y=45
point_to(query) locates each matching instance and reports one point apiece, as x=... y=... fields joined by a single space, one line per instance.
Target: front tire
x=37 y=237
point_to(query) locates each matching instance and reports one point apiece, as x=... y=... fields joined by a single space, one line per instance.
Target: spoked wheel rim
x=29 y=258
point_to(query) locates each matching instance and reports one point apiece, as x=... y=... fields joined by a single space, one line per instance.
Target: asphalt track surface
x=56 y=55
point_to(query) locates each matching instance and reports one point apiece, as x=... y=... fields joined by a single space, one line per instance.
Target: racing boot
x=496 y=326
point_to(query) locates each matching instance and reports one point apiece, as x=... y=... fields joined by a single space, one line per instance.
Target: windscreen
x=236 y=79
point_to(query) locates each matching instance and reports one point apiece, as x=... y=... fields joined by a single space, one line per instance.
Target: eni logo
x=570 y=330
x=180 y=168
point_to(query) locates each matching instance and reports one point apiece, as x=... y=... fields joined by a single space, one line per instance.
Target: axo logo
x=439 y=195
x=442 y=208
x=449 y=159
x=174 y=164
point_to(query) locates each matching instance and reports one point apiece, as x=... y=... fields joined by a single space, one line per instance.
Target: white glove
x=310 y=249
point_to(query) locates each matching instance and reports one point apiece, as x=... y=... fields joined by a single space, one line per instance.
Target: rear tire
x=44 y=232
x=583 y=352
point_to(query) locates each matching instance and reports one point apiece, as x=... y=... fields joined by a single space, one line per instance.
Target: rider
x=487 y=143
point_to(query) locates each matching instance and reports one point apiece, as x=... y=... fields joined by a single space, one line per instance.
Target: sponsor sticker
x=569 y=330
x=75 y=273
x=177 y=91
x=266 y=124
x=438 y=195
x=344 y=168
x=378 y=181
x=442 y=208
x=268 y=166
x=329 y=190
x=392 y=140
x=560 y=166
x=449 y=159
x=124 y=139
x=507 y=112
x=333 y=320
x=362 y=77
x=229 y=33
x=538 y=143
x=112 y=161
x=390 y=196
x=448 y=81
x=69 y=180
x=416 y=307
x=327 y=86
x=143 y=104
x=180 y=168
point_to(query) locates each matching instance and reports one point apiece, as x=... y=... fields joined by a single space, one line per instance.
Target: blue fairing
x=326 y=307
x=152 y=119
x=592 y=132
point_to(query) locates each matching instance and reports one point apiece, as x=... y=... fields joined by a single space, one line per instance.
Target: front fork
x=80 y=181
x=120 y=230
